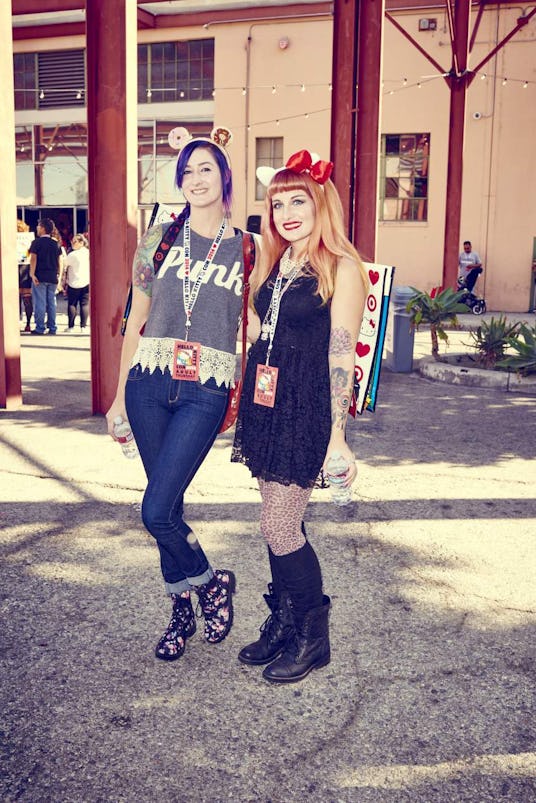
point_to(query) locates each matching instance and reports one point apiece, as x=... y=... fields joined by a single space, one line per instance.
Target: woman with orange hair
x=308 y=298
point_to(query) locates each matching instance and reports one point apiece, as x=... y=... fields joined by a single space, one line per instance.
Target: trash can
x=400 y=336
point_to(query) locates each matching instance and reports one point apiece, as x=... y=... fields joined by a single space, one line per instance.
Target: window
x=51 y=164
x=52 y=79
x=268 y=153
x=404 y=177
x=174 y=71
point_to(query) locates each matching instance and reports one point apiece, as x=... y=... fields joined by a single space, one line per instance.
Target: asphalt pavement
x=429 y=697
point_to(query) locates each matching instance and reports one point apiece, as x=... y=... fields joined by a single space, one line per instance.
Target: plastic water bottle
x=123 y=433
x=337 y=469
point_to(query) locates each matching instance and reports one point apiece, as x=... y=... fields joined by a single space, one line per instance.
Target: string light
x=483 y=76
x=79 y=95
x=41 y=95
x=525 y=84
x=303 y=87
x=243 y=90
x=274 y=90
x=504 y=81
x=149 y=93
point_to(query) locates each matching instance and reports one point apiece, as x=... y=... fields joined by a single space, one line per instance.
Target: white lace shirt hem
x=157 y=352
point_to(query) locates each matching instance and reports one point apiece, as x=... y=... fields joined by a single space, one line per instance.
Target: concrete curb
x=475 y=377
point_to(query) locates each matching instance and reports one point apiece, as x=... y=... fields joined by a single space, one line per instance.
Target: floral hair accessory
x=305 y=162
x=300 y=162
x=220 y=136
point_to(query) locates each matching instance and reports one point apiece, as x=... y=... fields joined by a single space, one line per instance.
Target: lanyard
x=189 y=293
x=270 y=319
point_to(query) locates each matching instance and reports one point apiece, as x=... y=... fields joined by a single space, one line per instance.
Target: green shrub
x=492 y=339
x=524 y=344
x=434 y=309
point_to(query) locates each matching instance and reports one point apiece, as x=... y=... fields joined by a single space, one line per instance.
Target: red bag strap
x=248 y=247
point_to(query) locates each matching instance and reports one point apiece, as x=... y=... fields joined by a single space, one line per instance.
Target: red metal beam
x=415 y=44
x=46 y=31
x=45 y=6
x=344 y=104
x=458 y=81
x=112 y=130
x=146 y=19
x=521 y=22
x=10 y=373
x=369 y=80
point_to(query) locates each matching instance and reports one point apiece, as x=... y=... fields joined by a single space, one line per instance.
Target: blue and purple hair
x=221 y=160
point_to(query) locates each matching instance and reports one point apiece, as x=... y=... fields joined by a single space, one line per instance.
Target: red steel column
x=111 y=32
x=10 y=375
x=343 y=103
x=458 y=82
x=369 y=80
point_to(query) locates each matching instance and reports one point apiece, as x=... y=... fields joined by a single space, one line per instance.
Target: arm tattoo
x=340 y=342
x=143 y=270
x=340 y=396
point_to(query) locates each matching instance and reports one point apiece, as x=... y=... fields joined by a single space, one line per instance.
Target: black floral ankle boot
x=216 y=602
x=181 y=626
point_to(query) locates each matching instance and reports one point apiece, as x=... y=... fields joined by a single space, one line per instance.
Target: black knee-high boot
x=308 y=648
x=301 y=576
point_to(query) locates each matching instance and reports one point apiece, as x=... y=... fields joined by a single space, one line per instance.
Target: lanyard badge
x=186 y=354
x=266 y=378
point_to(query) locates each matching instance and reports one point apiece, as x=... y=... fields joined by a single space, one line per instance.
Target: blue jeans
x=175 y=422
x=44 y=301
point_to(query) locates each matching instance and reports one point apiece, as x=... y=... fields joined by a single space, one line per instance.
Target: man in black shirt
x=45 y=255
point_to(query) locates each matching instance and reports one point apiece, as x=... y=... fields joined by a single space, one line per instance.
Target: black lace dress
x=288 y=443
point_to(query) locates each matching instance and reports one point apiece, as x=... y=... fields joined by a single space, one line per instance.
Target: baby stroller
x=476 y=305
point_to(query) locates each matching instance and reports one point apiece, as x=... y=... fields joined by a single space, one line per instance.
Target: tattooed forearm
x=340 y=342
x=340 y=396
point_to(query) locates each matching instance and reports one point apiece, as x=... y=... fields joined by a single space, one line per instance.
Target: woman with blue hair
x=177 y=364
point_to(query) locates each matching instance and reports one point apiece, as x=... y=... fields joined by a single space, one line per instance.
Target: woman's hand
x=341 y=447
x=117 y=408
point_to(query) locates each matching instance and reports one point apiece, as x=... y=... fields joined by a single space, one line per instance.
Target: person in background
x=75 y=281
x=308 y=293
x=469 y=266
x=25 y=281
x=45 y=268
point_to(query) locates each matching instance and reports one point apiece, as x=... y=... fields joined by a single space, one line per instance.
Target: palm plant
x=492 y=339
x=435 y=309
x=524 y=343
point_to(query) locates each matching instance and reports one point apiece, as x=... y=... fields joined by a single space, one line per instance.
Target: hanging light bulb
x=79 y=95
x=330 y=87
x=303 y=87
x=149 y=93
x=405 y=82
x=483 y=76
x=525 y=85
x=274 y=90
x=504 y=81
x=41 y=95
x=243 y=90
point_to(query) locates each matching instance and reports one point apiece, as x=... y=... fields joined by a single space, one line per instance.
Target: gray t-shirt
x=215 y=316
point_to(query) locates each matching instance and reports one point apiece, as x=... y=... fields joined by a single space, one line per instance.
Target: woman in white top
x=76 y=281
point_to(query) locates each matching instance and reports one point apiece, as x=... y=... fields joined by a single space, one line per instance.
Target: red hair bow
x=302 y=162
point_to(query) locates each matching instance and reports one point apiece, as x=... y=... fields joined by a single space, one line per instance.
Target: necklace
x=270 y=319
x=288 y=265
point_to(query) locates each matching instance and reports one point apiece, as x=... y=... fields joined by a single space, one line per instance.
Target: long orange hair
x=327 y=243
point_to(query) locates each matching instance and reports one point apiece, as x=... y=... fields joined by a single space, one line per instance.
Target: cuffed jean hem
x=190 y=582
x=178 y=587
